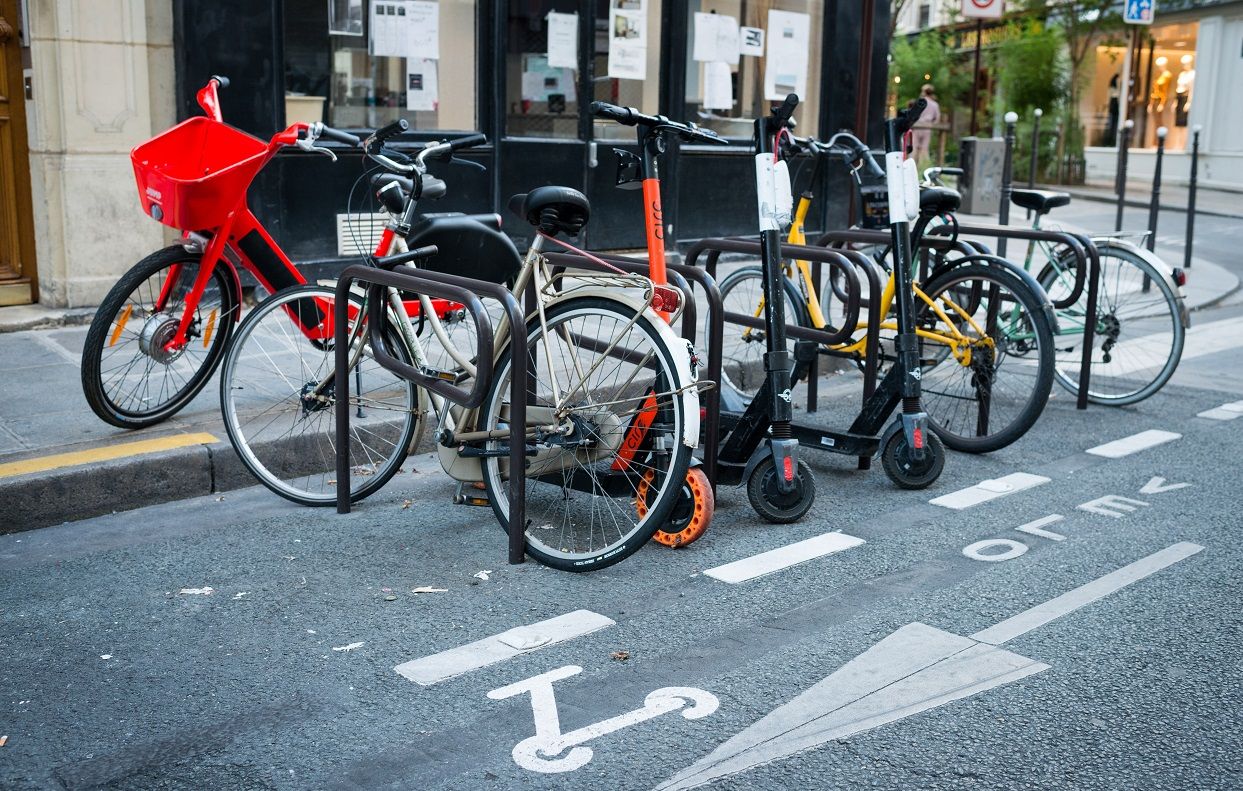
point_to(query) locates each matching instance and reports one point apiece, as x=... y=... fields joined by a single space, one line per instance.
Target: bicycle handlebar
x=223 y=82
x=628 y=116
x=783 y=111
x=907 y=117
x=327 y=132
x=851 y=149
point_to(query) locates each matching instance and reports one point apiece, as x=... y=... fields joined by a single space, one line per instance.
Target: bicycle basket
x=193 y=175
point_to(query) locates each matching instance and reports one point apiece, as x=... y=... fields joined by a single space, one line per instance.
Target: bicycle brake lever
x=472 y=163
x=307 y=144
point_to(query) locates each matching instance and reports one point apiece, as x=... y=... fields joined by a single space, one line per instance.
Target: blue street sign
x=1139 y=12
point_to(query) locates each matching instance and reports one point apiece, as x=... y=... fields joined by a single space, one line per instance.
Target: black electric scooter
x=761 y=446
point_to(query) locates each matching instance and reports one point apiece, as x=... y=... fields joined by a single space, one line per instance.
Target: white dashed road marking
x=984 y=491
x=506 y=645
x=1224 y=412
x=1134 y=443
x=783 y=557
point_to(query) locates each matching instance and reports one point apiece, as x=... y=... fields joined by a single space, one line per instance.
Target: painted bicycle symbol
x=550 y=750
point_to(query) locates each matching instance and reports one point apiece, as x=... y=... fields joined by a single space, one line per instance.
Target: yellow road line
x=45 y=463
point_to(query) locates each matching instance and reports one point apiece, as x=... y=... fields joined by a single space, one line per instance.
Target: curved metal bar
x=458 y=289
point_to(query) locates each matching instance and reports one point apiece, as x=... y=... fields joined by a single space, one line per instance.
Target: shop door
x=17 y=265
x=544 y=111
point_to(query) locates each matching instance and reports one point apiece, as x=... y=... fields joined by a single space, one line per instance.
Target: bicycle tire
x=550 y=489
x=1028 y=340
x=1117 y=378
x=114 y=389
x=748 y=358
x=302 y=467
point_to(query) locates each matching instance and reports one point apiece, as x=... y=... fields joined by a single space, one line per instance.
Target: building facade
x=105 y=75
x=1183 y=72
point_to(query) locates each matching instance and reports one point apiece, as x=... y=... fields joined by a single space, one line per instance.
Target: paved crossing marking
x=783 y=557
x=916 y=668
x=1134 y=443
x=1224 y=412
x=107 y=453
x=984 y=491
x=431 y=669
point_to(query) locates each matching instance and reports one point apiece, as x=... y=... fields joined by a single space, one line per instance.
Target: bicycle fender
x=687 y=374
x=1022 y=274
x=763 y=451
x=1156 y=262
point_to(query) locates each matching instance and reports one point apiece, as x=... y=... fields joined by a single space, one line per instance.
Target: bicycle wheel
x=1139 y=329
x=129 y=377
x=986 y=357
x=600 y=484
x=284 y=434
x=742 y=355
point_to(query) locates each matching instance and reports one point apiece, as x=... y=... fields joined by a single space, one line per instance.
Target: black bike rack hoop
x=681 y=275
x=463 y=290
x=1089 y=262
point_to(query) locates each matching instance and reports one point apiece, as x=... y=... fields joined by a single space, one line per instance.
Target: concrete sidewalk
x=58 y=459
x=1174 y=197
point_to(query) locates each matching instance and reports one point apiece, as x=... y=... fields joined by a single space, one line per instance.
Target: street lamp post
x=1191 y=195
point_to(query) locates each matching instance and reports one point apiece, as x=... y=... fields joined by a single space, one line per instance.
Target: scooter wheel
x=768 y=500
x=904 y=470
x=691 y=514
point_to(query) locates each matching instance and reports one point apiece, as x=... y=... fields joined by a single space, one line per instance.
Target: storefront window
x=364 y=63
x=778 y=52
x=1164 y=68
x=627 y=60
x=541 y=69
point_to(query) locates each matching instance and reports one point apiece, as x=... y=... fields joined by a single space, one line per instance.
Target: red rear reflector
x=1180 y=276
x=665 y=299
x=919 y=438
x=703 y=413
x=789 y=465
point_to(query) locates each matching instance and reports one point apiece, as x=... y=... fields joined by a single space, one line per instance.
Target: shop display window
x=778 y=52
x=360 y=64
x=1164 y=68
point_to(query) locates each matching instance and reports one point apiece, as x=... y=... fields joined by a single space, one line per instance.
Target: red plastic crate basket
x=193 y=175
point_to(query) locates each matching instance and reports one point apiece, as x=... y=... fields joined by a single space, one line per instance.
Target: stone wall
x=102 y=82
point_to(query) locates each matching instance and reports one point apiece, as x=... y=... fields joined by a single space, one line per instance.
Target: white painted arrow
x=916 y=668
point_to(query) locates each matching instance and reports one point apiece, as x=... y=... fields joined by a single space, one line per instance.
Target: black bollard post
x=1007 y=167
x=1154 y=208
x=1124 y=143
x=1191 y=195
x=1155 y=205
x=1031 y=168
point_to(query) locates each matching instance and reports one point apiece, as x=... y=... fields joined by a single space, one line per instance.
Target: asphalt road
x=1049 y=669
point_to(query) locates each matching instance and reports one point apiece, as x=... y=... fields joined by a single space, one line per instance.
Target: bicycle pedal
x=471 y=494
x=454 y=377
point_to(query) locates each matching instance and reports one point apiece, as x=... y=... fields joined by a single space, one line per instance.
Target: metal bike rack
x=463 y=290
x=1087 y=275
x=1089 y=262
x=679 y=275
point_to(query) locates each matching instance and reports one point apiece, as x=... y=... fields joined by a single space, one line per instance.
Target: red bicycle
x=162 y=330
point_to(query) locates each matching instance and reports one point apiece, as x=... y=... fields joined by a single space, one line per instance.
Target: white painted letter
x=1157 y=486
x=1111 y=505
x=1012 y=549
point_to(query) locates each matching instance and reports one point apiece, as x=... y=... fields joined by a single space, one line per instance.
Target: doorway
x=17 y=261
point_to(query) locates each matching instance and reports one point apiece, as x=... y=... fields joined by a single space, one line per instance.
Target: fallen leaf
x=310 y=631
x=349 y=647
x=105 y=656
x=196 y=591
x=483 y=575
x=619 y=656
x=390 y=597
x=4 y=740
x=406 y=504
x=220 y=499
x=237 y=596
x=429 y=589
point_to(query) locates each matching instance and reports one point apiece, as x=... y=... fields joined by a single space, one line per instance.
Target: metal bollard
x=1155 y=205
x=1124 y=143
x=1031 y=169
x=1003 y=212
x=1191 y=196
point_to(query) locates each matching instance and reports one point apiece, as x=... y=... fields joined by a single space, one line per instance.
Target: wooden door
x=17 y=258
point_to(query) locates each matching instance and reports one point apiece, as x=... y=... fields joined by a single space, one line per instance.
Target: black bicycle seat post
x=777 y=361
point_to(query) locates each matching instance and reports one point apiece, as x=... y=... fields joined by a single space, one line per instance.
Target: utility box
x=982 y=159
